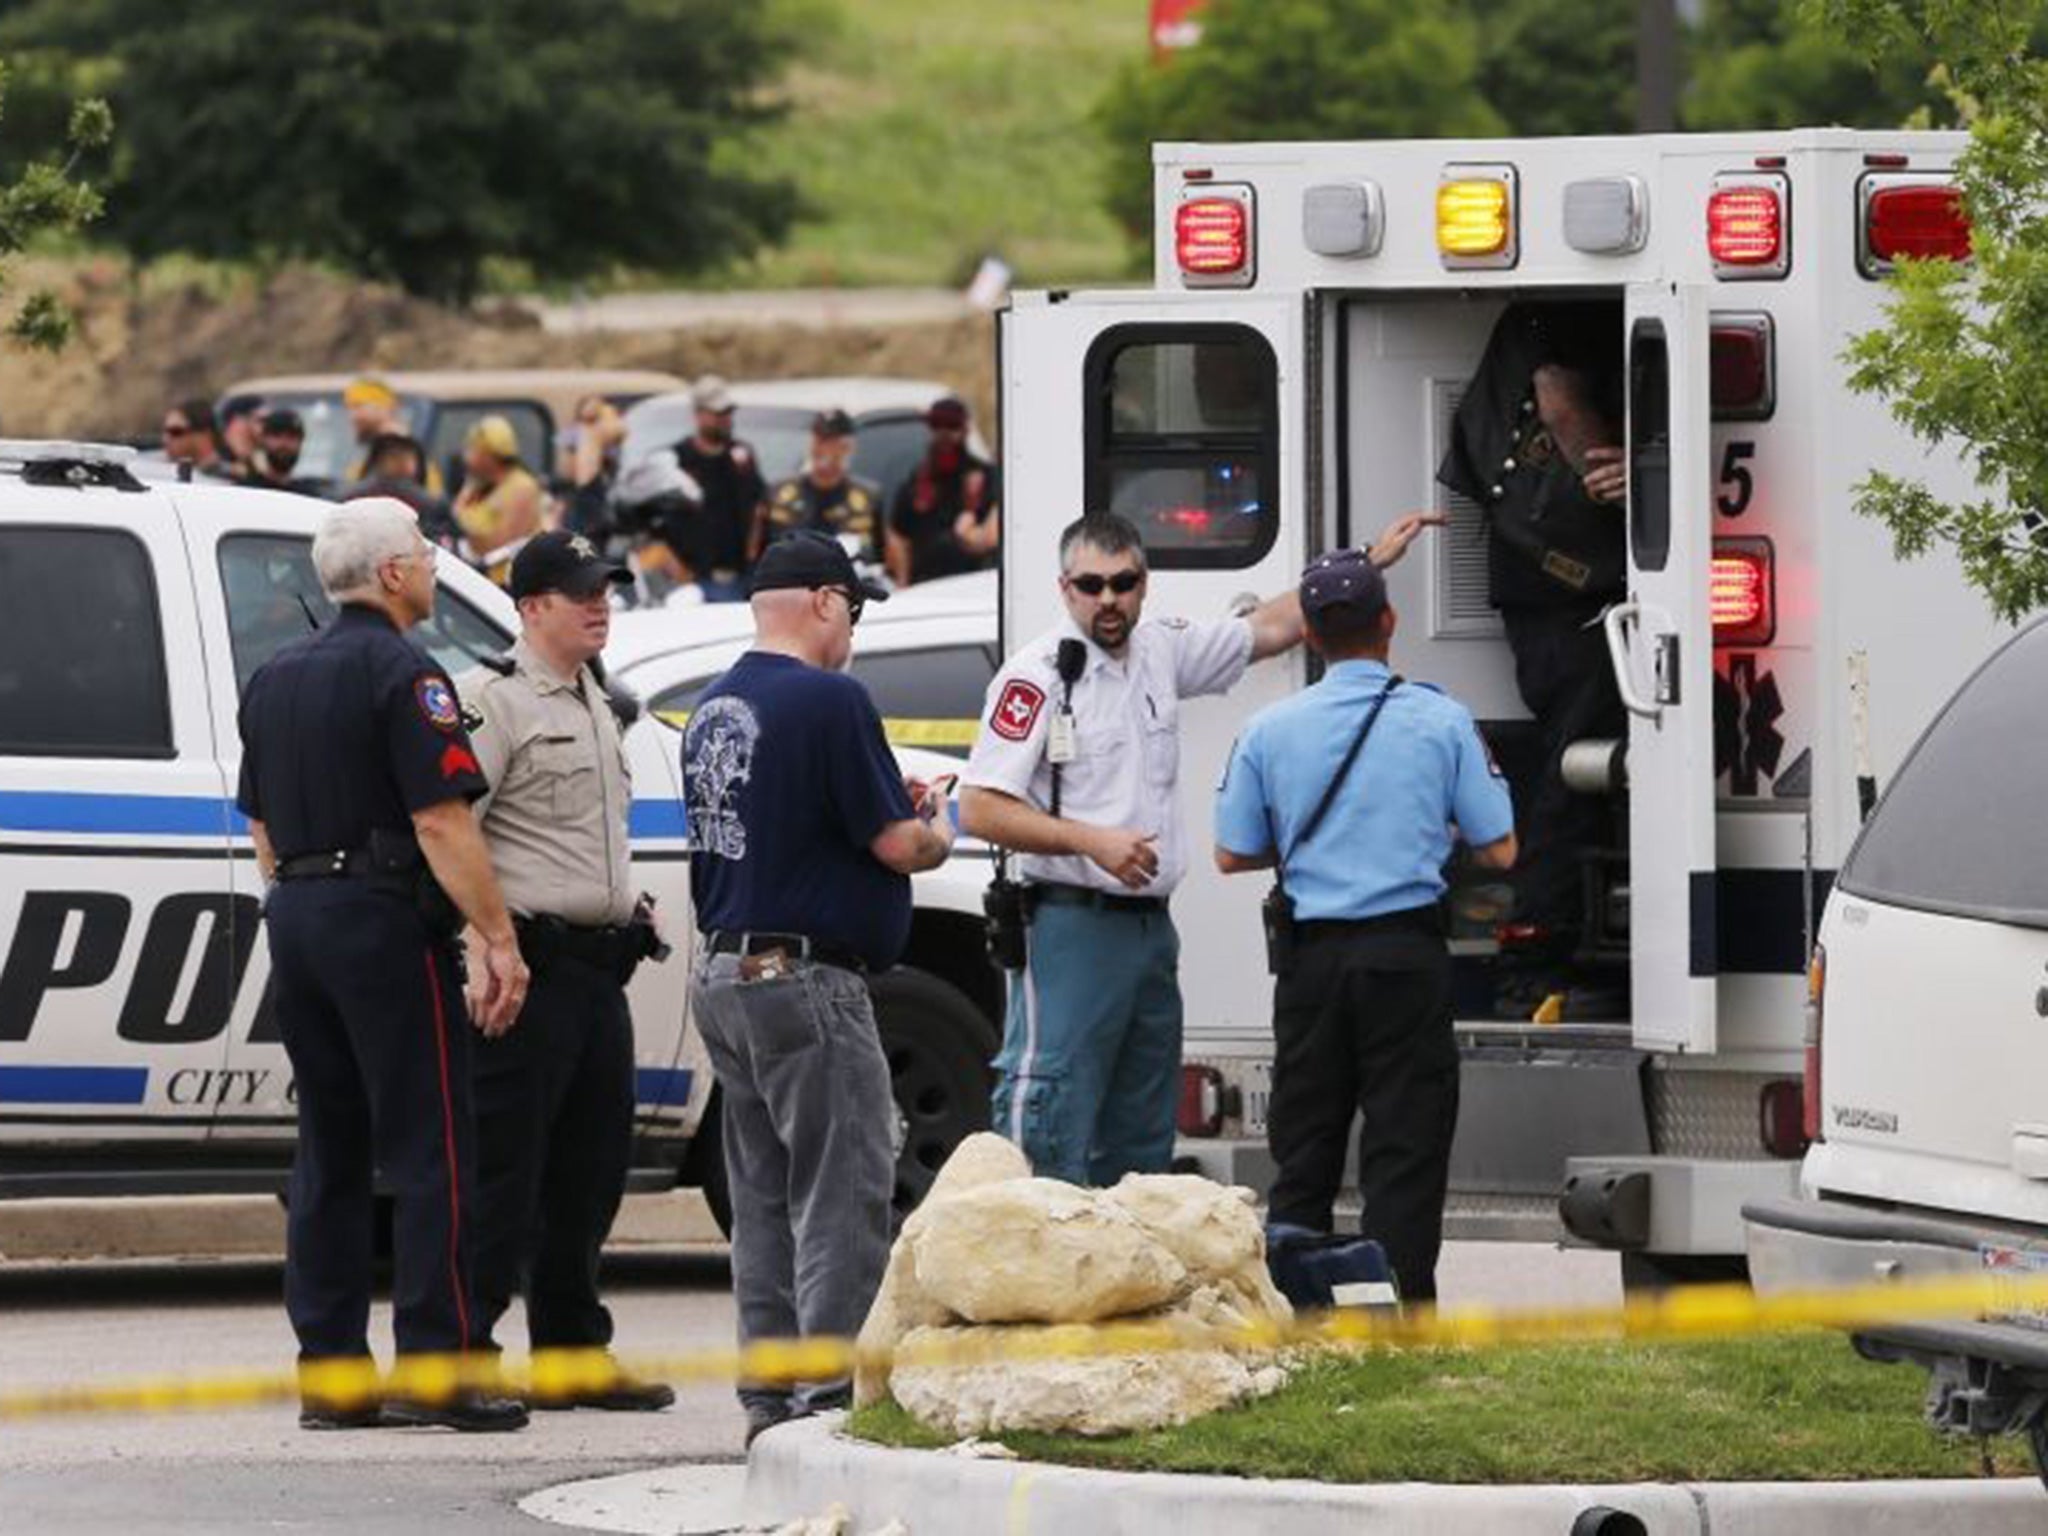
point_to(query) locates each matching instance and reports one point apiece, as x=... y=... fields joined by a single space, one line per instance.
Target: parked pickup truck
x=137 y=1051
x=1927 y=1065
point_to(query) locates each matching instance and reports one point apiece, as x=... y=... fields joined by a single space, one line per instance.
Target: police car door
x=1661 y=644
x=115 y=921
x=1184 y=413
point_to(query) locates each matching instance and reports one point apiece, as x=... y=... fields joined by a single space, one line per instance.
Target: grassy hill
x=926 y=135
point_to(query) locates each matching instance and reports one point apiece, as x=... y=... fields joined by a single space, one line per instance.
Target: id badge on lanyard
x=1060 y=746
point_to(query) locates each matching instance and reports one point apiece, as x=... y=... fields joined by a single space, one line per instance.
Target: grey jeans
x=805 y=1118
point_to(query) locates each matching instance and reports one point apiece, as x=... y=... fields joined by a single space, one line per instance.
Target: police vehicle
x=1287 y=384
x=137 y=1051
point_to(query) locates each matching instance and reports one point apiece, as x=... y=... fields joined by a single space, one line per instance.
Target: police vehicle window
x=81 y=646
x=929 y=698
x=274 y=597
x=1649 y=433
x=1960 y=829
x=1182 y=437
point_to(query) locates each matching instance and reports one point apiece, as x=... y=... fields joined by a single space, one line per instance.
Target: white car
x=1927 y=1079
x=137 y=1050
x=775 y=416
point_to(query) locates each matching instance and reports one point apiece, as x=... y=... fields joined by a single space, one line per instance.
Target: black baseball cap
x=563 y=562
x=282 y=419
x=808 y=558
x=1344 y=578
x=832 y=423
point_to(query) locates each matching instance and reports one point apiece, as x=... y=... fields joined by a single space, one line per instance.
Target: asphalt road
x=254 y=1470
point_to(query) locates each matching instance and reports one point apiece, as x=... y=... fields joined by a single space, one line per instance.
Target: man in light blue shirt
x=1362 y=1007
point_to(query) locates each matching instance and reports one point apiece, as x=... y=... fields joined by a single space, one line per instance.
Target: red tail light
x=1212 y=237
x=1740 y=597
x=1741 y=367
x=1781 y=1117
x=1748 y=225
x=1201 y=1102
x=1816 y=996
x=1911 y=216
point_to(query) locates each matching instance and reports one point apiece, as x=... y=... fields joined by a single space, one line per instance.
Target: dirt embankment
x=145 y=340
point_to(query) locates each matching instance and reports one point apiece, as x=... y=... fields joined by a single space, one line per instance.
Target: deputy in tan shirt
x=554 y=1096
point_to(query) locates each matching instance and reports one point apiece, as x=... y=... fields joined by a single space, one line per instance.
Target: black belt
x=1427 y=920
x=1088 y=896
x=339 y=864
x=542 y=939
x=795 y=945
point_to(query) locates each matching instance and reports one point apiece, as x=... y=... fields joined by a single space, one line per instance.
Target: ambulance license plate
x=2024 y=1306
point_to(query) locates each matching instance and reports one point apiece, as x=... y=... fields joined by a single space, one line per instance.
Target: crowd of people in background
x=697 y=526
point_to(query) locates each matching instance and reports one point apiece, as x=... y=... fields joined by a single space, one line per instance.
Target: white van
x=1927 y=1082
x=1286 y=384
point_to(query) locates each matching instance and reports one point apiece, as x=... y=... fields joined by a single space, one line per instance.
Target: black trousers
x=369 y=1006
x=1566 y=679
x=554 y=1118
x=1362 y=1025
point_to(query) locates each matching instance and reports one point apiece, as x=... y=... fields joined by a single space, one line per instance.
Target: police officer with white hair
x=1076 y=767
x=554 y=1097
x=356 y=779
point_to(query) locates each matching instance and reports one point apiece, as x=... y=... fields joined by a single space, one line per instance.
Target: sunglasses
x=856 y=602
x=1123 y=583
x=176 y=429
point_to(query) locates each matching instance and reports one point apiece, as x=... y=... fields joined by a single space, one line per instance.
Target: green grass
x=927 y=135
x=1795 y=1408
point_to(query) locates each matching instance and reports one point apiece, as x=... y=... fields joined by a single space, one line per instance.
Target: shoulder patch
x=436 y=701
x=1017 y=710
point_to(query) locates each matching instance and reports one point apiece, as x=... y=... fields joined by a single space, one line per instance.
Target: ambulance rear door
x=1184 y=413
x=1661 y=644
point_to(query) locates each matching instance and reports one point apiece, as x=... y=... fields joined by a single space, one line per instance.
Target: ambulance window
x=1649 y=442
x=81 y=646
x=274 y=598
x=1182 y=438
x=1960 y=829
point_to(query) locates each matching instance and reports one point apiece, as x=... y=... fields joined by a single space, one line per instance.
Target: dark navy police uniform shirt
x=350 y=729
x=788 y=778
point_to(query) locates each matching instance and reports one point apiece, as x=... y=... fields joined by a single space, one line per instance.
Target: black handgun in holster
x=395 y=857
x=1005 y=912
x=1276 y=914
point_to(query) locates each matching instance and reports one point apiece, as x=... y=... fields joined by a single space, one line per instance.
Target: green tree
x=1559 y=66
x=1296 y=69
x=1959 y=358
x=1773 y=64
x=44 y=195
x=412 y=140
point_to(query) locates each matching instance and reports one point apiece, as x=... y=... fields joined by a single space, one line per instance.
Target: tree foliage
x=1959 y=358
x=1558 y=66
x=45 y=195
x=411 y=140
x=1775 y=64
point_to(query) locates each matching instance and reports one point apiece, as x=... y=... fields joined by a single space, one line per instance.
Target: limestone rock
x=1040 y=1251
x=1213 y=1229
x=1110 y=1395
x=899 y=1306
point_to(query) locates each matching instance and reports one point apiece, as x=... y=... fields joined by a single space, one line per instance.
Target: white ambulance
x=138 y=1050
x=1287 y=385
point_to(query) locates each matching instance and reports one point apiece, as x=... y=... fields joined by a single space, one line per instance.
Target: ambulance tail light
x=1203 y=1101
x=1907 y=216
x=1742 y=366
x=1749 y=226
x=1781 y=1117
x=1816 y=997
x=1476 y=217
x=1212 y=237
x=1740 y=598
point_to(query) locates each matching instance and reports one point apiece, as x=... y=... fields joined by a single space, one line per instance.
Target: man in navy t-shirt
x=804 y=836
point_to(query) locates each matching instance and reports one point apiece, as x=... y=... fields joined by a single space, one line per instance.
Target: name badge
x=1059 y=740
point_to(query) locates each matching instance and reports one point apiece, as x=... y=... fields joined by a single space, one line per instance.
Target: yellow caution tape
x=1687 y=1313
x=901 y=730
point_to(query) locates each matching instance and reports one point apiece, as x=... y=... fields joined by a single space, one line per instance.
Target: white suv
x=1927 y=1080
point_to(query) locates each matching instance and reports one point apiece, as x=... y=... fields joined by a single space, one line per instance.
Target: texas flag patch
x=1017 y=711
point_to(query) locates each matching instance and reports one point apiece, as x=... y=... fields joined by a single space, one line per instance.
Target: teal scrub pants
x=1088 y=1078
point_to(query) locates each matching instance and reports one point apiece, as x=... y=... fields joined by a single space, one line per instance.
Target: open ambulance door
x=1661 y=643
x=1184 y=413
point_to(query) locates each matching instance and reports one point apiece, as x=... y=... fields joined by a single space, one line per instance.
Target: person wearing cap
x=190 y=437
x=554 y=1096
x=356 y=778
x=1076 y=767
x=396 y=465
x=374 y=412
x=944 y=520
x=711 y=545
x=1537 y=444
x=237 y=417
x=500 y=504
x=1353 y=791
x=826 y=495
x=804 y=835
x=280 y=435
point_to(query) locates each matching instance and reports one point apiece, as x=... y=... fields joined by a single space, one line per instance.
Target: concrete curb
x=801 y=1468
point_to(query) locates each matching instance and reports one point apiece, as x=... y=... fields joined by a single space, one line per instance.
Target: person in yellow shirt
x=501 y=504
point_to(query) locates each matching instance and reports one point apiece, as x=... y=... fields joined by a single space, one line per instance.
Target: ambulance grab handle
x=1615 y=620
